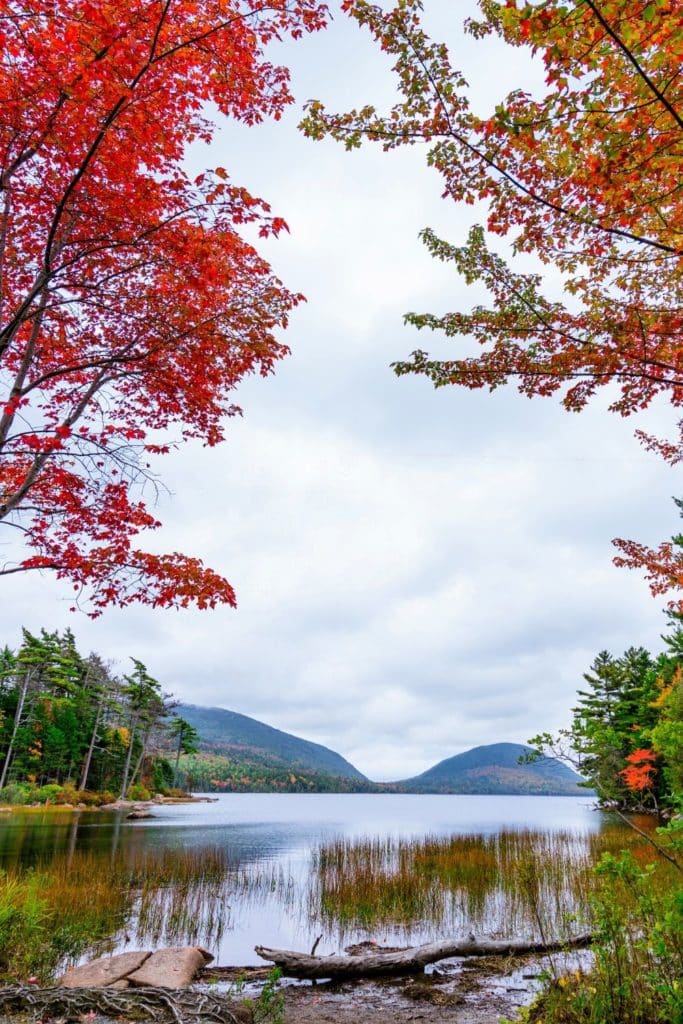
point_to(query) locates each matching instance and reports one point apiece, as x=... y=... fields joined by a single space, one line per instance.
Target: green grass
x=55 y=912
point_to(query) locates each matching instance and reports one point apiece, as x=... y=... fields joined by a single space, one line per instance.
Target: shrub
x=105 y=797
x=68 y=794
x=138 y=792
x=636 y=977
x=47 y=794
x=16 y=793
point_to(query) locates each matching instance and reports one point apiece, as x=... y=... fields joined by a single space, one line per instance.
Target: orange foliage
x=641 y=770
x=582 y=175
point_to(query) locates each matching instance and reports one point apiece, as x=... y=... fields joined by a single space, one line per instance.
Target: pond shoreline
x=116 y=805
x=480 y=991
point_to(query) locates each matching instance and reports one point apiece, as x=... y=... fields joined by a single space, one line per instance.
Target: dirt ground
x=466 y=992
x=457 y=991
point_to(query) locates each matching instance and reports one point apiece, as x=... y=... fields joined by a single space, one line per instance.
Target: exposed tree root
x=182 y=1006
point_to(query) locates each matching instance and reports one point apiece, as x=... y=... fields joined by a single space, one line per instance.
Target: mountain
x=240 y=753
x=496 y=769
x=230 y=734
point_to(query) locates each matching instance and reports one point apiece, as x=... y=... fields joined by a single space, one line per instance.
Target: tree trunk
x=129 y=754
x=91 y=748
x=177 y=759
x=17 y=723
x=405 y=961
x=138 y=763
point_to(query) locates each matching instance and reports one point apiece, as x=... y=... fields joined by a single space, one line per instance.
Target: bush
x=16 y=794
x=47 y=794
x=105 y=797
x=139 y=792
x=87 y=797
x=68 y=794
x=636 y=977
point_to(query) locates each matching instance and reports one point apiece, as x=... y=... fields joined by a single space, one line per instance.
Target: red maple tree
x=130 y=304
x=641 y=770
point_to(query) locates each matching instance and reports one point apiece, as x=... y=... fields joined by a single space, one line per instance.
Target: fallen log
x=406 y=961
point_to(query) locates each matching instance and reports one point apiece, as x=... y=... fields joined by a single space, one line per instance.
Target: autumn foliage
x=641 y=770
x=583 y=176
x=130 y=304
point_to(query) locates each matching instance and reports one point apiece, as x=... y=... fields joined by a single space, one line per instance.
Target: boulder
x=138 y=815
x=174 y=967
x=104 y=972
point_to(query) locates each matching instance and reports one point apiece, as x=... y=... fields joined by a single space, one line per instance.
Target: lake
x=282 y=869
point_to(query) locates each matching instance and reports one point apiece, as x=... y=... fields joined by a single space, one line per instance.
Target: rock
x=171 y=968
x=122 y=983
x=138 y=815
x=104 y=972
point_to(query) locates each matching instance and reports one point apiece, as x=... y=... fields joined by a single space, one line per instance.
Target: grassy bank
x=53 y=913
x=637 y=972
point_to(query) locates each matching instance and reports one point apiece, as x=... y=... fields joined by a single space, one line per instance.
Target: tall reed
x=534 y=883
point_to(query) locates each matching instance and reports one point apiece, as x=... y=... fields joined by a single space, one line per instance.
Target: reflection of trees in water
x=35 y=835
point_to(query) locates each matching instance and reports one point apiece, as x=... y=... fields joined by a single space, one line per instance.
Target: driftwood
x=405 y=961
x=153 y=1004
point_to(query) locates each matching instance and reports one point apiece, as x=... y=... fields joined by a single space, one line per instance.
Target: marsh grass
x=529 y=883
x=521 y=882
x=56 y=911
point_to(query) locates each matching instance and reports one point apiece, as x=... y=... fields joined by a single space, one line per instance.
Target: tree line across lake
x=72 y=730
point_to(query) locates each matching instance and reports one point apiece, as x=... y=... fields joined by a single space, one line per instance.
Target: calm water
x=271 y=842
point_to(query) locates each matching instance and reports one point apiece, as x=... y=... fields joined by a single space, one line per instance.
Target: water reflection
x=280 y=869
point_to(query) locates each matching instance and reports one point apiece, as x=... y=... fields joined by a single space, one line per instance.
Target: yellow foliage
x=666 y=688
x=124 y=734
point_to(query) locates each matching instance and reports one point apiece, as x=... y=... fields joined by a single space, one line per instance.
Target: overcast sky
x=417 y=572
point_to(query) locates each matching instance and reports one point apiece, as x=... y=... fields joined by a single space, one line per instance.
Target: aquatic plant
x=527 y=882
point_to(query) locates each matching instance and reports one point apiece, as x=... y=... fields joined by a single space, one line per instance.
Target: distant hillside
x=495 y=769
x=230 y=734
